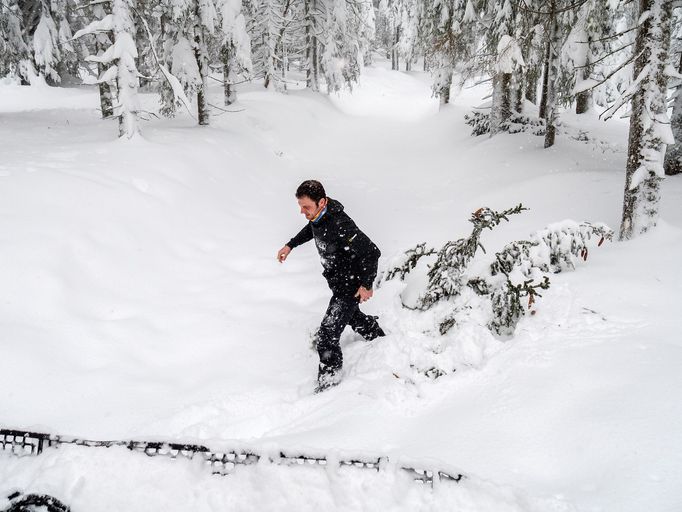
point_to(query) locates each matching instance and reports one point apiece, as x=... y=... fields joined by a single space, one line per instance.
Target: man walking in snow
x=349 y=259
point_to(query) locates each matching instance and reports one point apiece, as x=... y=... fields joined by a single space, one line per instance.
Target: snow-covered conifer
x=45 y=44
x=552 y=67
x=411 y=14
x=649 y=124
x=120 y=57
x=271 y=20
x=390 y=10
x=13 y=47
x=190 y=25
x=343 y=43
x=449 y=31
x=235 y=46
x=502 y=42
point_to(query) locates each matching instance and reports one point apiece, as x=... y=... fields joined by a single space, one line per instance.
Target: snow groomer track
x=25 y=443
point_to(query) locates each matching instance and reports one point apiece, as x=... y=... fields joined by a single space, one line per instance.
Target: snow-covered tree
x=389 y=11
x=45 y=44
x=270 y=27
x=649 y=123
x=120 y=59
x=449 y=30
x=235 y=46
x=501 y=41
x=13 y=47
x=189 y=26
x=593 y=48
x=312 y=46
x=344 y=40
x=411 y=13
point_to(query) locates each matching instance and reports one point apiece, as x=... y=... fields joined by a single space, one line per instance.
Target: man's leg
x=365 y=325
x=339 y=313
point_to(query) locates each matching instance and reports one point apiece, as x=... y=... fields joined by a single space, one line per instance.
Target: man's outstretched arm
x=303 y=236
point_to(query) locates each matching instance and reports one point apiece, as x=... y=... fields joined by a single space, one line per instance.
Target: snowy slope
x=141 y=297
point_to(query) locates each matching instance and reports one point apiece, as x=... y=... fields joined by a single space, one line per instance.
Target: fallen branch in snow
x=223 y=462
x=519 y=270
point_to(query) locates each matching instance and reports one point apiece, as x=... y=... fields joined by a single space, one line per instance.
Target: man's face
x=308 y=207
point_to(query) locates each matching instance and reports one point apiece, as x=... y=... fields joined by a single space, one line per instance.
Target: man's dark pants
x=343 y=310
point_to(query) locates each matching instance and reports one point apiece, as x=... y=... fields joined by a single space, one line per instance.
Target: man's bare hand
x=364 y=294
x=283 y=253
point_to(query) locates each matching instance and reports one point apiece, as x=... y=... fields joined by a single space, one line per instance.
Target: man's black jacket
x=348 y=256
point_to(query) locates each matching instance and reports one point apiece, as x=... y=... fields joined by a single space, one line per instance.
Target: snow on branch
x=106 y=24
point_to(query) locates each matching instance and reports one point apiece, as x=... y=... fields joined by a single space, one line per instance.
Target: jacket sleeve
x=305 y=235
x=364 y=254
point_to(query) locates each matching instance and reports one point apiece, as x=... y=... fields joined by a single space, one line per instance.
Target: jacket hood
x=333 y=206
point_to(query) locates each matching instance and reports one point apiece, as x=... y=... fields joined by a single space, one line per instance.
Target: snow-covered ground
x=140 y=298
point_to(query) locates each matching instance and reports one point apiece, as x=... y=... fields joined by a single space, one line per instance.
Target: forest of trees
x=622 y=57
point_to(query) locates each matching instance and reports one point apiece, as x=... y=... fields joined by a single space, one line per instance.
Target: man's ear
x=323 y=202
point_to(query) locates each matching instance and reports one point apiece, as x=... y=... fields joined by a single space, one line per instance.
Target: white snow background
x=140 y=298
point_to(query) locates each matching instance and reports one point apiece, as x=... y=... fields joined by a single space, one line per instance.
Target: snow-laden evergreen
x=120 y=58
x=650 y=130
x=13 y=47
x=46 y=51
x=236 y=46
x=192 y=24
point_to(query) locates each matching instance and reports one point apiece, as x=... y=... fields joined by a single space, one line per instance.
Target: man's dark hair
x=312 y=189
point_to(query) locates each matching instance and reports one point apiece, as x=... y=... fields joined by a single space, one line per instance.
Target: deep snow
x=140 y=297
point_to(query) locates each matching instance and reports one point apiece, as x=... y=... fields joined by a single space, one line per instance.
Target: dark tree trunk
x=105 y=97
x=518 y=79
x=395 y=58
x=312 y=72
x=202 y=62
x=673 y=156
x=444 y=92
x=230 y=94
x=545 y=76
x=531 y=86
x=552 y=74
x=583 y=100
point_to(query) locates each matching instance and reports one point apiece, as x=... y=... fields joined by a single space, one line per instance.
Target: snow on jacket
x=348 y=256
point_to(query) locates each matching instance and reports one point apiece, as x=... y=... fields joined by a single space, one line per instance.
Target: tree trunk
x=531 y=89
x=552 y=75
x=517 y=81
x=583 y=100
x=673 y=157
x=545 y=75
x=501 y=108
x=127 y=83
x=395 y=58
x=648 y=121
x=229 y=74
x=312 y=72
x=201 y=56
x=444 y=92
x=105 y=97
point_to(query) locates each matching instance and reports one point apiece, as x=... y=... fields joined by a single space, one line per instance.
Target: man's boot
x=327 y=377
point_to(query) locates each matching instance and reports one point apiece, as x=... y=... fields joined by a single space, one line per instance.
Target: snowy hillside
x=140 y=297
